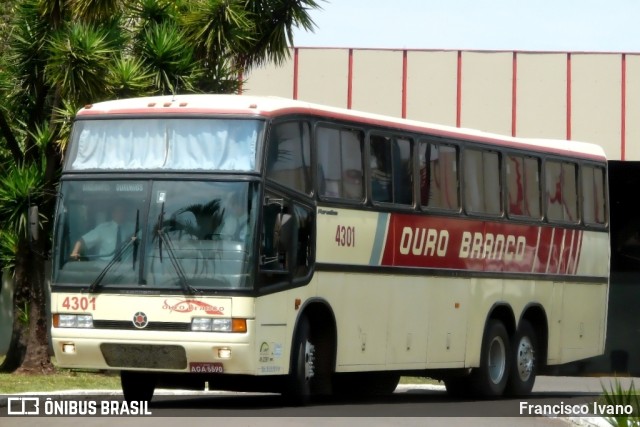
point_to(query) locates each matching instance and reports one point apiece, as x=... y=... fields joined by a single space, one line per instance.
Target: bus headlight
x=73 y=321
x=208 y=324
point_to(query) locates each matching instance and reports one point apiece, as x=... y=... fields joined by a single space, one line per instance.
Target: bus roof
x=269 y=106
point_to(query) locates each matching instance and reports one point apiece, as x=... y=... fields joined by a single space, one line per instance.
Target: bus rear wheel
x=137 y=386
x=491 y=377
x=523 y=361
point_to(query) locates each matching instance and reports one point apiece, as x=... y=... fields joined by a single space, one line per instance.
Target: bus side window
x=515 y=185
x=302 y=240
x=391 y=175
x=439 y=181
x=275 y=216
x=532 y=204
x=593 y=195
x=482 y=182
x=403 y=172
x=339 y=163
x=561 y=191
x=286 y=241
x=380 y=162
x=523 y=186
x=288 y=156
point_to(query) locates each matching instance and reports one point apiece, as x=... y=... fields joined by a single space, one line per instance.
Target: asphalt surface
x=553 y=387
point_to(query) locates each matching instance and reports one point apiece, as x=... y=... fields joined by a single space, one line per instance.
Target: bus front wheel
x=523 y=361
x=137 y=386
x=302 y=370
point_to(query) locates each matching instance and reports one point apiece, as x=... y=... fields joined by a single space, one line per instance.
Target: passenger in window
x=424 y=179
x=515 y=186
x=352 y=184
x=106 y=238
x=402 y=172
x=381 y=185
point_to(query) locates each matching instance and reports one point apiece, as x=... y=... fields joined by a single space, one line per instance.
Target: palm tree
x=61 y=54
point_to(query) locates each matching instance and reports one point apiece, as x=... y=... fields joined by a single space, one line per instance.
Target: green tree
x=61 y=54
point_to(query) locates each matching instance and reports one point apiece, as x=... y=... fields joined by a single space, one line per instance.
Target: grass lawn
x=61 y=379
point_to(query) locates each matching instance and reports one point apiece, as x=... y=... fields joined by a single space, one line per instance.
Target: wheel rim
x=309 y=359
x=525 y=358
x=497 y=360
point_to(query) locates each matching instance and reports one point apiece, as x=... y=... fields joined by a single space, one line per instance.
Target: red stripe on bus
x=544 y=249
x=578 y=252
x=536 y=255
x=566 y=251
x=573 y=236
x=461 y=244
x=562 y=250
x=556 y=251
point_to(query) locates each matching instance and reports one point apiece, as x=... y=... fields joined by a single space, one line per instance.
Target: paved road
x=410 y=405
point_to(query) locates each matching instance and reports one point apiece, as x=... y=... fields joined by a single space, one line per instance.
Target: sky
x=525 y=25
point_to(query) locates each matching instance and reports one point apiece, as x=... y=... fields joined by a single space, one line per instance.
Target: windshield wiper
x=116 y=258
x=135 y=242
x=162 y=238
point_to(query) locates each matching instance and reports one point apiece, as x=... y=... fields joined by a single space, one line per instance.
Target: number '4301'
x=79 y=303
x=346 y=236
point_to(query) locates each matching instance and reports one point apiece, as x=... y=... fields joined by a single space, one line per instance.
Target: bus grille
x=144 y=356
x=152 y=326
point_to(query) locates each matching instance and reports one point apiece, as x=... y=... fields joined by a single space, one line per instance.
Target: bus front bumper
x=186 y=352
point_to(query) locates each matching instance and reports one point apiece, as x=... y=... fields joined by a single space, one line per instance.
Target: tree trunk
x=30 y=309
x=17 y=346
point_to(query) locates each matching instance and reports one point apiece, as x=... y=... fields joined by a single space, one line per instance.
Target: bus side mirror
x=34 y=226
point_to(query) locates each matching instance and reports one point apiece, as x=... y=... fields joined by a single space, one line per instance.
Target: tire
x=137 y=386
x=302 y=371
x=523 y=361
x=489 y=380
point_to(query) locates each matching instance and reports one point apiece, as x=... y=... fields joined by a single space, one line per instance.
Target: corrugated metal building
x=592 y=97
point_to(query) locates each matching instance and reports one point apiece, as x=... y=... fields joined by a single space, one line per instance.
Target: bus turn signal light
x=239 y=325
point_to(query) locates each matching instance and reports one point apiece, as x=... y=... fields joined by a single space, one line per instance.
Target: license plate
x=206 y=368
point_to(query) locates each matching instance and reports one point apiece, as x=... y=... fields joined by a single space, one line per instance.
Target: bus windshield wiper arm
x=116 y=257
x=182 y=278
x=134 y=240
x=162 y=238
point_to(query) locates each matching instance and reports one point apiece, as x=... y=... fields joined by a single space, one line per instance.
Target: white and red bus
x=277 y=245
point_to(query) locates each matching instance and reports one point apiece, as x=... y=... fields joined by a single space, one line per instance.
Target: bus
x=267 y=244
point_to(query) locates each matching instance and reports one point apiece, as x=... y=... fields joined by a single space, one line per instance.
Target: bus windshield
x=165 y=144
x=178 y=235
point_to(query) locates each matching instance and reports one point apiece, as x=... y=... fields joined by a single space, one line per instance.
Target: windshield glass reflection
x=187 y=235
